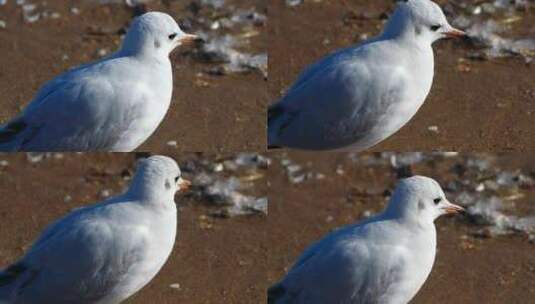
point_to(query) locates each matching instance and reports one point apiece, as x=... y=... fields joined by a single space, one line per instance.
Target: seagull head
x=420 y=198
x=157 y=179
x=155 y=33
x=422 y=20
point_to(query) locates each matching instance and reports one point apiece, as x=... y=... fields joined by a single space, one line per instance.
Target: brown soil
x=489 y=108
x=210 y=113
x=222 y=264
x=466 y=270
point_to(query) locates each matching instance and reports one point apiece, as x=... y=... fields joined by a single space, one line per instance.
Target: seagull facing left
x=113 y=104
x=106 y=252
x=385 y=259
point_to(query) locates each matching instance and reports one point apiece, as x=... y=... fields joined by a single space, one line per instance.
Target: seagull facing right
x=102 y=253
x=113 y=104
x=358 y=96
x=383 y=260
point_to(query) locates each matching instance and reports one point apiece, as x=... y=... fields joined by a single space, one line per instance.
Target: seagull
x=113 y=104
x=385 y=259
x=358 y=96
x=106 y=252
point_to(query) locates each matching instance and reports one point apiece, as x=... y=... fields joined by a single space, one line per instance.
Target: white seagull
x=359 y=96
x=106 y=252
x=382 y=260
x=113 y=104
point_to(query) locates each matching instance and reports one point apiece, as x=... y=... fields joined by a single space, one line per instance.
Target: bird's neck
x=413 y=223
x=411 y=218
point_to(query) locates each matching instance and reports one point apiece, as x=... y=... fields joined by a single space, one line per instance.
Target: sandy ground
x=236 y=259
x=489 y=108
x=467 y=269
x=208 y=113
x=225 y=263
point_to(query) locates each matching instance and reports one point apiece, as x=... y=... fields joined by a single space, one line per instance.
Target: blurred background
x=483 y=256
x=483 y=94
x=220 y=252
x=219 y=94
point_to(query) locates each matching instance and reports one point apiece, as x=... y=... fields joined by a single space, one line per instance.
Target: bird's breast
x=144 y=115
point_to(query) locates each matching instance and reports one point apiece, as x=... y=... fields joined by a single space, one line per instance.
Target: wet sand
x=224 y=263
x=489 y=108
x=467 y=269
x=207 y=113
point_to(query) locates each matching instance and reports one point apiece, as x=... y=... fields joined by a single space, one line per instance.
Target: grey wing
x=279 y=293
x=14 y=278
x=310 y=72
x=317 y=68
x=96 y=114
x=60 y=226
x=14 y=133
x=62 y=80
x=306 y=95
x=66 y=79
x=325 y=273
x=309 y=113
x=59 y=103
x=34 y=276
x=311 y=93
x=81 y=258
x=20 y=130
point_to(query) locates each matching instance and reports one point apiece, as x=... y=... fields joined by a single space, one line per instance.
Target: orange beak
x=453 y=209
x=183 y=185
x=189 y=39
x=455 y=33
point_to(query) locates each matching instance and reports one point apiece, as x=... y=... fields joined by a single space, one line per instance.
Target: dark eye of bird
x=172 y=36
x=435 y=28
x=437 y=200
x=176 y=179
